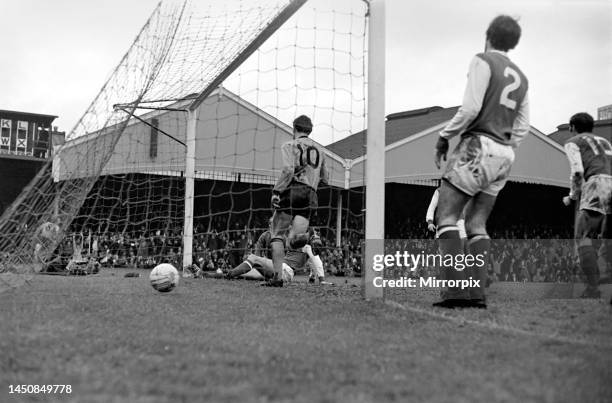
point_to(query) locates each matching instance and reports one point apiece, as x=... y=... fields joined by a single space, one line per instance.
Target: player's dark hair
x=504 y=33
x=582 y=122
x=302 y=124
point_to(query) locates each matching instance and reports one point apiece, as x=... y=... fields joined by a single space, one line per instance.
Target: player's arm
x=429 y=217
x=479 y=75
x=520 y=128
x=288 y=168
x=307 y=249
x=576 y=170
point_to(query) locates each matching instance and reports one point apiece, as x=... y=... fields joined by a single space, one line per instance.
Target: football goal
x=175 y=157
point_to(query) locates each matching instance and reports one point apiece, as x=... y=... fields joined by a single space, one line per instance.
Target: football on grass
x=164 y=277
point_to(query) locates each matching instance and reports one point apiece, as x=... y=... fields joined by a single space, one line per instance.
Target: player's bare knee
x=280 y=222
x=446 y=221
x=476 y=222
x=477 y=227
x=450 y=204
x=300 y=224
x=447 y=214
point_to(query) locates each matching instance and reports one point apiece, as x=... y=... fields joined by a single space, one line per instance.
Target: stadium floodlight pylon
x=186 y=132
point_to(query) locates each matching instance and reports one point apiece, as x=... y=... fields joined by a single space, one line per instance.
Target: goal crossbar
x=272 y=27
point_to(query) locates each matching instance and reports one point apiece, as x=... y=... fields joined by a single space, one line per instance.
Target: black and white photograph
x=345 y=201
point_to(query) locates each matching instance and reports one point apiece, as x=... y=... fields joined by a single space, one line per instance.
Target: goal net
x=174 y=159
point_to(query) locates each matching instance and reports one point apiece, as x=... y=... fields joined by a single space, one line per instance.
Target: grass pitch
x=115 y=339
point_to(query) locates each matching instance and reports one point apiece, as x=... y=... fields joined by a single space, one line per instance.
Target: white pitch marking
x=495 y=326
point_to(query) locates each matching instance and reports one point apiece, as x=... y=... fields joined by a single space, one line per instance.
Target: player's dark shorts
x=479 y=164
x=296 y=259
x=298 y=199
x=593 y=220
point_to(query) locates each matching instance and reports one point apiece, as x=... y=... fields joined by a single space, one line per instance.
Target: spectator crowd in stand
x=518 y=253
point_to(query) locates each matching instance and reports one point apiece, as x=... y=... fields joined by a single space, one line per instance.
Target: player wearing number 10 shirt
x=491 y=122
x=294 y=197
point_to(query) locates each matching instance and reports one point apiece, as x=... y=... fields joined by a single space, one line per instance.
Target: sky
x=56 y=55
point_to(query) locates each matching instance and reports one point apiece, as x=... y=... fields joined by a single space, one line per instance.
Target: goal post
x=190 y=149
x=375 y=146
x=175 y=158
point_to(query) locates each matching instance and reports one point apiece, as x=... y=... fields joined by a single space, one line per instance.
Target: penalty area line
x=489 y=325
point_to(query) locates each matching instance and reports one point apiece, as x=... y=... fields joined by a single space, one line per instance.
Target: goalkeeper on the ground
x=258 y=265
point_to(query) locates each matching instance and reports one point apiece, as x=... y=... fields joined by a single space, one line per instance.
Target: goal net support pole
x=339 y=220
x=375 y=143
x=192 y=123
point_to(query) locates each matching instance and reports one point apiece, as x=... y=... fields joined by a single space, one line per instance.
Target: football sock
x=468 y=270
x=242 y=268
x=450 y=243
x=479 y=244
x=278 y=255
x=588 y=263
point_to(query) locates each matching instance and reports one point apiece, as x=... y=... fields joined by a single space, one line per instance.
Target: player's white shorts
x=254 y=274
x=479 y=164
x=596 y=194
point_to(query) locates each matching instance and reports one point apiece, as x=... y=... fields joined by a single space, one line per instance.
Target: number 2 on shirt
x=504 y=99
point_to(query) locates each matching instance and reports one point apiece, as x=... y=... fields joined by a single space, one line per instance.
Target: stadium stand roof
x=602 y=128
x=410 y=140
x=398 y=127
x=235 y=141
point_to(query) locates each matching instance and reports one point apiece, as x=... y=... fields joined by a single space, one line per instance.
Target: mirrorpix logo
x=412 y=262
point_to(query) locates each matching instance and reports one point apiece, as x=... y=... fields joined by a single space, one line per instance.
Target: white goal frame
x=375 y=149
x=375 y=156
